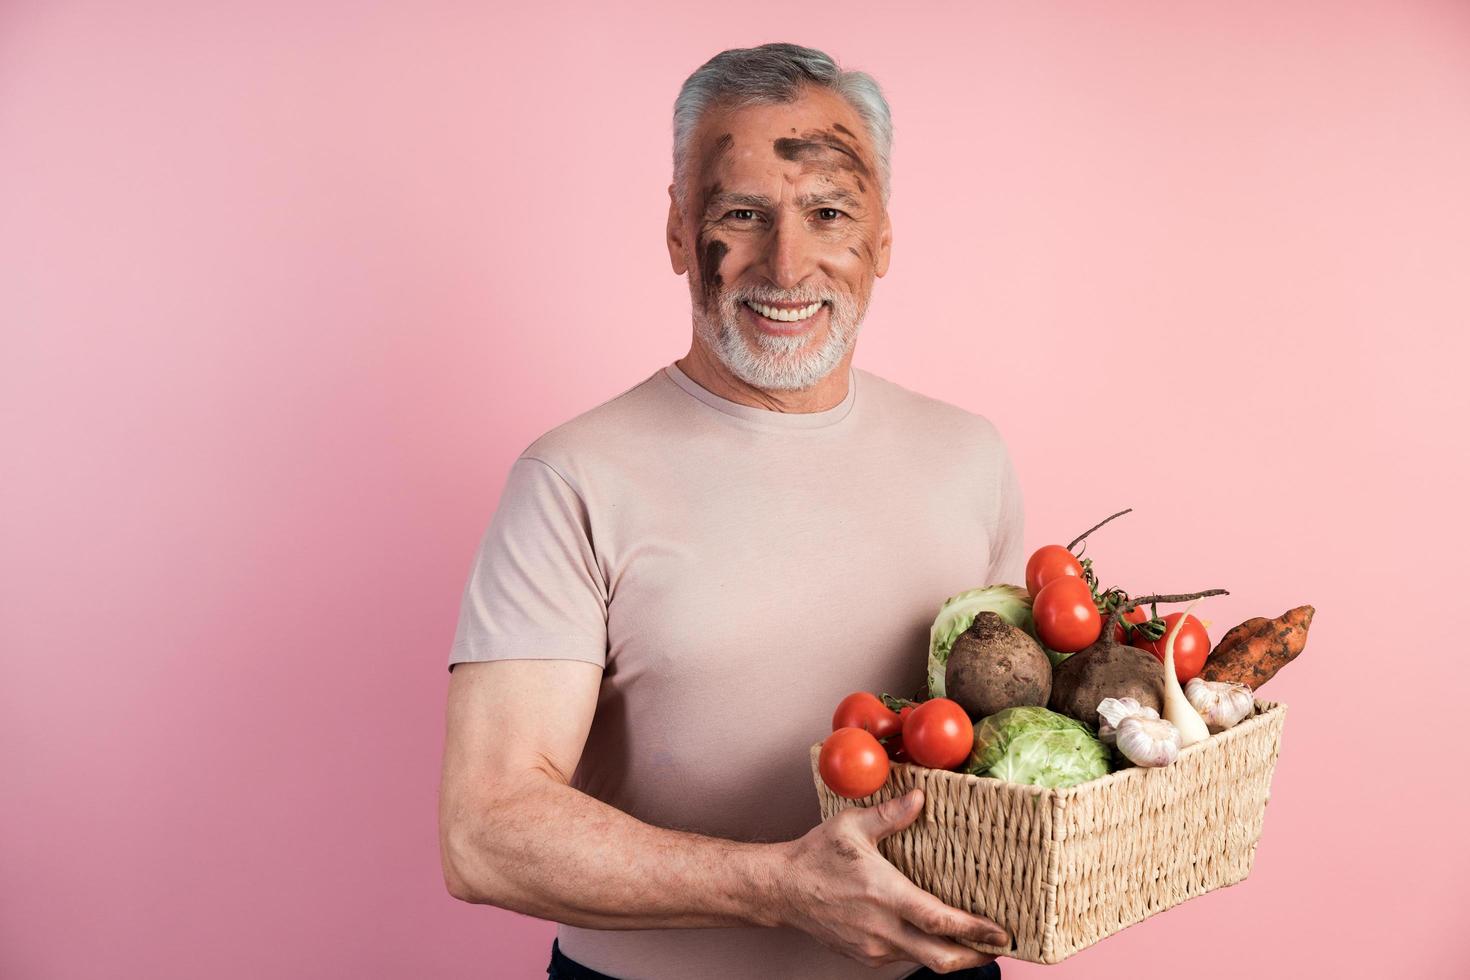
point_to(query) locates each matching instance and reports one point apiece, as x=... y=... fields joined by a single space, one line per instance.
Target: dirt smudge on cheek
x=864 y=250
x=711 y=254
x=861 y=246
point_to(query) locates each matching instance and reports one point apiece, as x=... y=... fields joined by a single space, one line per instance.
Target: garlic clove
x=1113 y=710
x=1222 y=704
x=1150 y=742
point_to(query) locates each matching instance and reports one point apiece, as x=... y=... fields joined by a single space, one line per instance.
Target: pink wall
x=285 y=287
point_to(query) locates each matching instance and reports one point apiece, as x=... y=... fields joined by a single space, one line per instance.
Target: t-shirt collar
x=765 y=416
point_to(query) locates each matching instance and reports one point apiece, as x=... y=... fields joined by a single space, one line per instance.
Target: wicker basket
x=1061 y=869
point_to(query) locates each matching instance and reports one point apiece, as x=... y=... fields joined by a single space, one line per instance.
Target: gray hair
x=774 y=74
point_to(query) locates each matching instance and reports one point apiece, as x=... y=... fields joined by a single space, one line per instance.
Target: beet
x=993 y=666
x=1107 y=669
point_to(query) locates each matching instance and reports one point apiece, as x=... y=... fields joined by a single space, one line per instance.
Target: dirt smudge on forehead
x=822 y=149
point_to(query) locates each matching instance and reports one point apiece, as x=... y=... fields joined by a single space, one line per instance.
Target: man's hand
x=842 y=891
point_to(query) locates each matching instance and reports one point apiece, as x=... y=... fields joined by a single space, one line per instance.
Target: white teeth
x=789 y=316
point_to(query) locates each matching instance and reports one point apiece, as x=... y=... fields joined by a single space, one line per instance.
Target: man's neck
x=714 y=377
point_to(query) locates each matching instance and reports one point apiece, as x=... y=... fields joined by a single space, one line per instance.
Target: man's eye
x=833 y=211
x=750 y=211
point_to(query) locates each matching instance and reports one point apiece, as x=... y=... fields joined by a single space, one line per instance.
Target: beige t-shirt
x=735 y=571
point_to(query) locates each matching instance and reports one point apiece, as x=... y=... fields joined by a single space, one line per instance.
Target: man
x=680 y=584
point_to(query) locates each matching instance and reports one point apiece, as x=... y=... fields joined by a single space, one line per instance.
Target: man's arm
x=515 y=834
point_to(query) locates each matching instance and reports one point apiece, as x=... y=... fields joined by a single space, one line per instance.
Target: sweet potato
x=1254 y=651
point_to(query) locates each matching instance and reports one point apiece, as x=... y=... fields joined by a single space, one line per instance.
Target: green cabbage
x=1035 y=746
x=1010 y=602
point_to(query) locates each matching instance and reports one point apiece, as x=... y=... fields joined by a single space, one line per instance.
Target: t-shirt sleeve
x=1007 y=557
x=535 y=590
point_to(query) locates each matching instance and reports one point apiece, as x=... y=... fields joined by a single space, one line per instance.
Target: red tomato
x=852 y=763
x=894 y=745
x=1066 y=617
x=1050 y=562
x=865 y=711
x=1191 y=646
x=938 y=734
x=1135 y=615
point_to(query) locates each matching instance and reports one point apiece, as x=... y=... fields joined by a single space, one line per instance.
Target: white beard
x=778 y=363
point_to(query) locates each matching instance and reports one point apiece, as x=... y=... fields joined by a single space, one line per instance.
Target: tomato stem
x=1081 y=537
x=1123 y=607
x=1089 y=576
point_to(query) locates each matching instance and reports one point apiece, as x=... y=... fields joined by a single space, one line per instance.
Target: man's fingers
x=939 y=955
x=937 y=919
x=890 y=816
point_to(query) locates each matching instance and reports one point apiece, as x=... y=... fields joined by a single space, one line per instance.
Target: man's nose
x=790 y=255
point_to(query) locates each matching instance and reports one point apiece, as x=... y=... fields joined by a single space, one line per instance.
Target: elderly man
x=680 y=584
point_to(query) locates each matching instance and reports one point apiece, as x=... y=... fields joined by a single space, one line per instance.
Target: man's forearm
x=556 y=853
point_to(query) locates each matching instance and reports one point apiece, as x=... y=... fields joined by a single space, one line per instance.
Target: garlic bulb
x=1148 y=741
x=1220 y=703
x=1113 y=710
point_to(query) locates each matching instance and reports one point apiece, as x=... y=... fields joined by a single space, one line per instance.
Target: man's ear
x=885 y=245
x=678 y=253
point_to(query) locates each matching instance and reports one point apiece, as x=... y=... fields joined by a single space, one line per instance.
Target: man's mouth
x=784 y=321
x=785 y=313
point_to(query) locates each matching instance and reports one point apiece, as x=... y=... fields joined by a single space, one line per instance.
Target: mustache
x=834 y=298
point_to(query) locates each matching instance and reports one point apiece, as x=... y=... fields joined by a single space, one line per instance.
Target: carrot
x=1254 y=651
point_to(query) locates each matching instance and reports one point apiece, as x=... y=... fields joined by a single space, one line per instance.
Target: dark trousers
x=563 y=967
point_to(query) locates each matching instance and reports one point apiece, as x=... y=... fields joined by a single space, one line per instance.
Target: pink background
x=286 y=287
